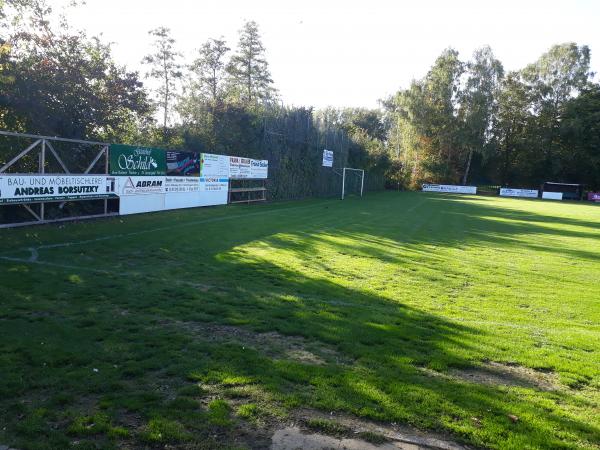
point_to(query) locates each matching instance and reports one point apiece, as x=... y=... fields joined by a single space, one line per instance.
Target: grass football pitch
x=474 y=317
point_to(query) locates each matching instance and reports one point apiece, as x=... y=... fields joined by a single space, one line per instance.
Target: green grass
x=123 y=342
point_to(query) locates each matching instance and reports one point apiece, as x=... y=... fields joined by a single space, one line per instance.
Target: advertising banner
x=183 y=164
x=57 y=187
x=259 y=168
x=527 y=193
x=213 y=191
x=327 y=158
x=594 y=197
x=239 y=167
x=552 y=195
x=450 y=188
x=181 y=185
x=214 y=166
x=137 y=161
x=141 y=185
x=208 y=184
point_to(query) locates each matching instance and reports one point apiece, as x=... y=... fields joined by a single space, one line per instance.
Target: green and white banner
x=57 y=187
x=128 y=160
x=214 y=166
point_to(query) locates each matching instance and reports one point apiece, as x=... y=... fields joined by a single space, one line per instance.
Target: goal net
x=353 y=181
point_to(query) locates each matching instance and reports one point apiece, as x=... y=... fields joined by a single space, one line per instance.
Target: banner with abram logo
x=141 y=185
x=57 y=188
x=141 y=173
x=450 y=188
x=141 y=194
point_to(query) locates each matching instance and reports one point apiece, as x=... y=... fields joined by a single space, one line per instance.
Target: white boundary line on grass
x=34 y=255
x=34 y=250
x=99 y=271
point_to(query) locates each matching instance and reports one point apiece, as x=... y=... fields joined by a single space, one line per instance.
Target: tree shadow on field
x=393 y=347
x=487 y=224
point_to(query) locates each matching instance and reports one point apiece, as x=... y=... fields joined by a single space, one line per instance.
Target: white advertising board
x=213 y=191
x=527 y=193
x=56 y=187
x=327 y=158
x=183 y=200
x=210 y=184
x=182 y=192
x=143 y=185
x=181 y=185
x=141 y=194
x=259 y=168
x=134 y=204
x=552 y=195
x=239 y=167
x=450 y=188
x=214 y=165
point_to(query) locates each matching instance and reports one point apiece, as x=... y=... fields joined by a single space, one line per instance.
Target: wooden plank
x=19 y=156
x=257 y=189
x=248 y=201
x=62 y=219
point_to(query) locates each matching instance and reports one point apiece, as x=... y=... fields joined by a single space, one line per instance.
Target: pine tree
x=209 y=70
x=165 y=68
x=250 y=79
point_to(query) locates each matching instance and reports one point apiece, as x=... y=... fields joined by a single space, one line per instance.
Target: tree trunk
x=466 y=175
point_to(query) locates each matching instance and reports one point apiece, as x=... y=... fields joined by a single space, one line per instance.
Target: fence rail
x=31 y=154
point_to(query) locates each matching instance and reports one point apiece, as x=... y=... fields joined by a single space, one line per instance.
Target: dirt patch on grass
x=502 y=374
x=271 y=344
x=292 y=438
x=312 y=429
x=510 y=375
x=307 y=428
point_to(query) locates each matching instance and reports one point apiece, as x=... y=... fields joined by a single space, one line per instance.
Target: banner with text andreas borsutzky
x=15 y=188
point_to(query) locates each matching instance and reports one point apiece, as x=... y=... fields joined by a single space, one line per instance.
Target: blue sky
x=348 y=53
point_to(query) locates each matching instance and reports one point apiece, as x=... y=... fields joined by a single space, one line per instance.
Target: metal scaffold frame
x=45 y=144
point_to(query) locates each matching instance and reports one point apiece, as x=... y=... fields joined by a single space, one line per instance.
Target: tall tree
x=554 y=78
x=248 y=69
x=165 y=68
x=204 y=94
x=442 y=93
x=580 y=138
x=428 y=128
x=209 y=70
x=479 y=102
x=511 y=129
x=63 y=83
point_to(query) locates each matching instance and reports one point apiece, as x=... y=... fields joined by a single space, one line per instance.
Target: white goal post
x=357 y=172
